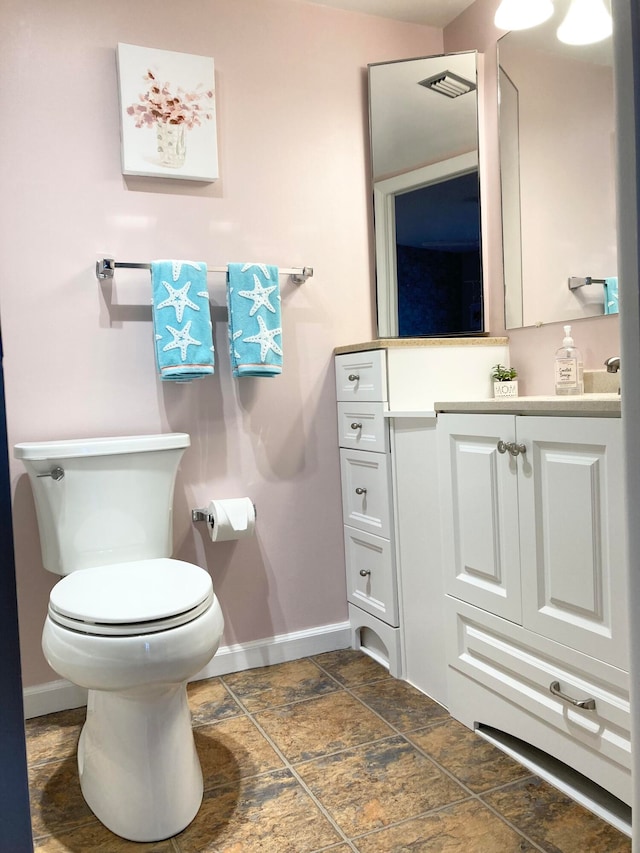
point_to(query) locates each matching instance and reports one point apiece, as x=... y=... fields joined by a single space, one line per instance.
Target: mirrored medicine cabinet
x=424 y=155
x=557 y=168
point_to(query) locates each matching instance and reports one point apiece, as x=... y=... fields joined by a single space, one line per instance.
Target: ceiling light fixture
x=520 y=14
x=587 y=21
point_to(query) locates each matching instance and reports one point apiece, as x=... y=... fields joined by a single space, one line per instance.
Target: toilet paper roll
x=233 y=518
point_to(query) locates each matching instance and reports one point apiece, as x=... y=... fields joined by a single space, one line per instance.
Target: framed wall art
x=167 y=114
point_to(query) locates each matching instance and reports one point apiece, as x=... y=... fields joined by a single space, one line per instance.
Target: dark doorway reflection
x=438 y=255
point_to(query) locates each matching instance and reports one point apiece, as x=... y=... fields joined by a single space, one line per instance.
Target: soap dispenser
x=569 y=367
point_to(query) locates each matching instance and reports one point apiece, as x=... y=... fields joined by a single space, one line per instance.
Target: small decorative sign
x=167 y=114
x=505 y=389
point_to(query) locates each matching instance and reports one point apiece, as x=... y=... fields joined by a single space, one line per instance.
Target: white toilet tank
x=114 y=502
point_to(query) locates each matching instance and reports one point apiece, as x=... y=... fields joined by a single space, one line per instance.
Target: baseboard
x=278 y=649
x=53 y=696
x=61 y=695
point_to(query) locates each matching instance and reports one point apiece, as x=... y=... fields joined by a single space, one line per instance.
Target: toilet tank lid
x=69 y=448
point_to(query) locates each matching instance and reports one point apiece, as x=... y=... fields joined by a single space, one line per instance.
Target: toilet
x=126 y=621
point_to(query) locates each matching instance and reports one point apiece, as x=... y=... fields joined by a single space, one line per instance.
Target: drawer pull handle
x=354 y=377
x=585 y=704
x=510 y=446
x=361 y=491
x=364 y=572
x=354 y=425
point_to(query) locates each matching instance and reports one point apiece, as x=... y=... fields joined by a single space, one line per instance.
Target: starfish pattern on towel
x=234 y=337
x=263 y=267
x=181 y=340
x=265 y=338
x=176 y=268
x=260 y=296
x=178 y=300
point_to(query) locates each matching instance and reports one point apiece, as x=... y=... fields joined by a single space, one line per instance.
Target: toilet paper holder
x=203 y=514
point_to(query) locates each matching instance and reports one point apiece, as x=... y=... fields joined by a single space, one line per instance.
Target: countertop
x=393 y=343
x=585 y=405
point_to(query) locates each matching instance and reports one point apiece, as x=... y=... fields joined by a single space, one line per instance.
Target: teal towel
x=255 y=327
x=181 y=320
x=611 y=295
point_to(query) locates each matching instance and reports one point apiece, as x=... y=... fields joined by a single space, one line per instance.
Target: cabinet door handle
x=364 y=572
x=512 y=447
x=354 y=425
x=585 y=704
x=361 y=491
x=354 y=377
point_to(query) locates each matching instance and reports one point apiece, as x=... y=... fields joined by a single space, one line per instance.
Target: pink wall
x=293 y=137
x=532 y=349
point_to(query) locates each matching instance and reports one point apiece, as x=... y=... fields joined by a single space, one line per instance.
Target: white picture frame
x=168 y=123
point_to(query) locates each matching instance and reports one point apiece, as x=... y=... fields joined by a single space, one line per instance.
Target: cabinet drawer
x=363 y=426
x=365 y=491
x=371 y=581
x=361 y=376
x=521 y=666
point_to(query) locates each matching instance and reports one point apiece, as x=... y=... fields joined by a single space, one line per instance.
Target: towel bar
x=575 y=281
x=105 y=268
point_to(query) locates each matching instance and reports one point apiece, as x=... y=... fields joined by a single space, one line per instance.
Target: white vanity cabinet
x=365 y=470
x=387 y=429
x=536 y=584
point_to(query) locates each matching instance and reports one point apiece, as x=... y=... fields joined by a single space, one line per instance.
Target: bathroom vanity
x=535 y=577
x=485 y=551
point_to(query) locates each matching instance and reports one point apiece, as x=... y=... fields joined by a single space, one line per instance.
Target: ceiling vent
x=449 y=84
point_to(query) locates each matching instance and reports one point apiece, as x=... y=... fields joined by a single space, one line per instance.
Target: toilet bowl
x=132 y=631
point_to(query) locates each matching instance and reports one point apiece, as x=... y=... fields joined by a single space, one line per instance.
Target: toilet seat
x=127 y=599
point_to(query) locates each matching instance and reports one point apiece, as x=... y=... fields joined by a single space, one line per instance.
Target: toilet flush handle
x=56 y=473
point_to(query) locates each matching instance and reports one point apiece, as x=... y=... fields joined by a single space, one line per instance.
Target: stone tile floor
x=327 y=753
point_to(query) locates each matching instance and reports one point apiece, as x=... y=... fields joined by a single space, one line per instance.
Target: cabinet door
x=479 y=516
x=574 y=574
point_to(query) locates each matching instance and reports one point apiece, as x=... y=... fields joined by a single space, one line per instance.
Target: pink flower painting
x=160 y=103
x=167 y=114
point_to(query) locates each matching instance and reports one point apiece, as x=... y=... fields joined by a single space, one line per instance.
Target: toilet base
x=138 y=765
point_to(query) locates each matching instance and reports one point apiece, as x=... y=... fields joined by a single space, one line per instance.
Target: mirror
x=557 y=163
x=424 y=155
